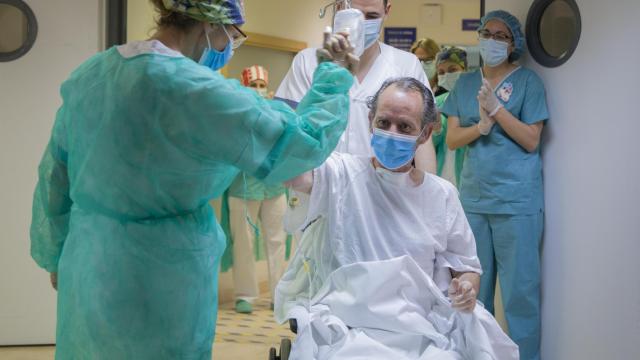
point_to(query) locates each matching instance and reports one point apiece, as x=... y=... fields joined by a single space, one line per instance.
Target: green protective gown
x=121 y=208
x=440 y=143
x=249 y=188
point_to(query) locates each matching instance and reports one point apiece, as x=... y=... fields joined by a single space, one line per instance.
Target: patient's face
x=399 y=111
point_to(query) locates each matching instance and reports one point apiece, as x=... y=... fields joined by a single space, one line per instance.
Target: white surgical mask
x=429 y=68
x=493 y=52
x=371 y=32
x=263 y=92
x=448 y=81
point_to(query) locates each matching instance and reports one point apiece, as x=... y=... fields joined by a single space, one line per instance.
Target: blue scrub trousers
x=509 y=246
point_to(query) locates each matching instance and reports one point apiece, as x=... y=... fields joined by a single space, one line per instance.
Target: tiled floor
x=241 y=336
x=238 y=336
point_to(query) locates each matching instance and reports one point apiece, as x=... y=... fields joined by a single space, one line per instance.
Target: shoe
x=243 y=307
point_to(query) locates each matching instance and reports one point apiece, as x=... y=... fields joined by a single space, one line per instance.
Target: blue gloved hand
x=488 y=99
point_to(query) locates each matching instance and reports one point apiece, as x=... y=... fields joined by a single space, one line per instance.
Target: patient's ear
x=425 y=134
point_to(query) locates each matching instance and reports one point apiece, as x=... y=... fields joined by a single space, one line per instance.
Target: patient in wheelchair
x=387 y=266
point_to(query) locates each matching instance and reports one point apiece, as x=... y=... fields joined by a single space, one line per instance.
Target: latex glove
x=486 y=122
x=462 y=295
x=53 y=277
x=488 y=99
x=337 y=48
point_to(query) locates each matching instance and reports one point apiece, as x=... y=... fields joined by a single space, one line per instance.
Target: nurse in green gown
x=147 y=133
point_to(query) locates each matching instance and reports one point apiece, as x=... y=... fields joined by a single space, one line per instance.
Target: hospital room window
x=553 y=31
x=18 y=29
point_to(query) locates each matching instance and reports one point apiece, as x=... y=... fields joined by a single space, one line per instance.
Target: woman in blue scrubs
x=499 y=112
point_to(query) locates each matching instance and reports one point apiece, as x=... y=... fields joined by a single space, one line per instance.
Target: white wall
x=29 y=97
x=407 y=13
x=591 y=289
x=298 y=20
x=140 y=24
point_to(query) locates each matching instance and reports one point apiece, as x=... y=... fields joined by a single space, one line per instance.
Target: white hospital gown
x=390 y=64
x=369 y=275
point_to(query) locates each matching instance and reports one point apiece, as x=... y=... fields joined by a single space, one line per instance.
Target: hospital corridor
x=319 y=180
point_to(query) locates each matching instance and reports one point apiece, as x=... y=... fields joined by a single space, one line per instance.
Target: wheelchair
x=285 y=344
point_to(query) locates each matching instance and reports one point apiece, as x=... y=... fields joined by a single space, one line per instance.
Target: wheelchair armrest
x=293 y=325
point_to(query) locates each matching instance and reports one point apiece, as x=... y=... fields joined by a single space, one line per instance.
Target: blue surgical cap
x=514 y=26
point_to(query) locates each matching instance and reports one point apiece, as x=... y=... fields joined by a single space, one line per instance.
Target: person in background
x=499 y=112
x=426 y=50
x=257 y=78
x=378 y=63
x=451 y=63
x=253 y=202
x=147 y=133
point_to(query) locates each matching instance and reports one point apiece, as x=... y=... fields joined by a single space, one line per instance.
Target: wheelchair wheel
x=285 y=349
x=293 y=325
x=272 y=354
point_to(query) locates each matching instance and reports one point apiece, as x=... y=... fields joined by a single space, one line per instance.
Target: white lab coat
x=369 y=275
x=390 y=64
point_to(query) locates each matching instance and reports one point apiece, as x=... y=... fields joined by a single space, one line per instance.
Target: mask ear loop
x=228 y=36
x=206 y=35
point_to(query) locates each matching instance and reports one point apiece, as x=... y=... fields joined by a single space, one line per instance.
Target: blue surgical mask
x=493 y=52
x=214 y=59
x=448 y=81
x=371 y=32
x=429 y=67
x=393 y=150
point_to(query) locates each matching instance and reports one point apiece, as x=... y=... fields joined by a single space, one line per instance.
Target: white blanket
x=389 y=309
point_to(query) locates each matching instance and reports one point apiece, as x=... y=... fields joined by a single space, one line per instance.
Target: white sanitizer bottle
x=351 y=21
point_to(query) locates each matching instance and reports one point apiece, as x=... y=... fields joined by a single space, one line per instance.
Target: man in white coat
x=378 y=63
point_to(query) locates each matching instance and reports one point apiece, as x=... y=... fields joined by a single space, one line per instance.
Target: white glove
x=337 y=48
x=486 y=121
x=462 y=295
x=487 y=98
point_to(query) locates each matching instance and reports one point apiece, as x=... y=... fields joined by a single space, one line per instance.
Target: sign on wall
x=400 y=37
x=470 y=24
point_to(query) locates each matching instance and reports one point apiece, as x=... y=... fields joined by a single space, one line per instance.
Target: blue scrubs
x=502 y=194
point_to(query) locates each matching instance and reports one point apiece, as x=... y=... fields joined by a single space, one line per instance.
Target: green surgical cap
x=453 y=54
x=211 y=11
